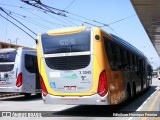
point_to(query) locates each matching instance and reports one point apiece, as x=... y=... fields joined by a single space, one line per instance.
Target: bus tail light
x=43 y=87
x=102 y=85
x=19 y=80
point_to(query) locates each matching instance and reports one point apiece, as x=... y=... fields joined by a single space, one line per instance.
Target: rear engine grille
x=68 y=62
x=5 y=68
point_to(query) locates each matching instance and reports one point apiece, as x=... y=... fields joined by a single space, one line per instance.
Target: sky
x=118 y=14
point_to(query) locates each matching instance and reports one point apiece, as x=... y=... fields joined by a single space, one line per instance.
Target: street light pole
x=16 y=40
x=10 y=42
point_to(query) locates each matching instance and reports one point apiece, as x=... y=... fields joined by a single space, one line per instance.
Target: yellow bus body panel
x=117 y=80
x=98 y=66
x=63 y=31
x=100 y=63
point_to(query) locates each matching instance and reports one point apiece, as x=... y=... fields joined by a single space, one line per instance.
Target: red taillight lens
x=43 y=87
x=19 y=80
x=102 y=86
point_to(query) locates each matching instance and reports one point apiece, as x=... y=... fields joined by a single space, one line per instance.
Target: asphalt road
x=148 y=100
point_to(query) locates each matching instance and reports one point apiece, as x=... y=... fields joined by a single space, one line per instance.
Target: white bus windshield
x=7 y=57
x=77 y=42
x=7 y=60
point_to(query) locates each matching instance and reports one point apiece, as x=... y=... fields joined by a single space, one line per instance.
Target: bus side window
x=114 y=56
x=131 y=62
x=149 y=71
x=109 y=49
x=128 y=59
x=141 y=65
x=30 y=63
x=124 y=59
x=118 y=58
x=137 y=59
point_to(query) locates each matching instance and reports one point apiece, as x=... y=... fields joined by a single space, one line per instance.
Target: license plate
x=70 y=87
x=2 y=81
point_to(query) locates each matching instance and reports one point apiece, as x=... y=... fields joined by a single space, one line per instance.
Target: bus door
x=38 y=86
x=29 y=76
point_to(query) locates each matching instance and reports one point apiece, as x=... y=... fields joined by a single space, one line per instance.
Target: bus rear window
x=8 y=57
x=77 y=42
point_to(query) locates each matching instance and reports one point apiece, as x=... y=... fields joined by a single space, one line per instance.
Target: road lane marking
x=139 y=108
x=144 y=103
x=152 y=105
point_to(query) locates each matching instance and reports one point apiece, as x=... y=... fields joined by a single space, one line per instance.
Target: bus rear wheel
x=27 y=94
x=134 y=89
x=128 y=92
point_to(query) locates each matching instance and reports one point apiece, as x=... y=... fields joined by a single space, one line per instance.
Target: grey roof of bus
x=4 y=50
x=127 y=45
x=7 y=50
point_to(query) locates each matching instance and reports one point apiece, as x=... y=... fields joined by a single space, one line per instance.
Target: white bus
x=19 y=71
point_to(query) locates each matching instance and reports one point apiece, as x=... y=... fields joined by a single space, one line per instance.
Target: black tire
x=128 y=92
x=134 y=89
x=27 y=94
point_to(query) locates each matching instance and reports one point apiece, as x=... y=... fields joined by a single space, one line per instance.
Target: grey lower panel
x=10 y=89
x=84 y=100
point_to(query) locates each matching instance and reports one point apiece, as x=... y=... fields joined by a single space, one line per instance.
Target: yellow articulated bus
x=87 y=66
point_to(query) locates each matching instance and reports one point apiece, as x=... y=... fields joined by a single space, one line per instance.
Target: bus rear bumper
x=76 y=100
x=10 y=89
